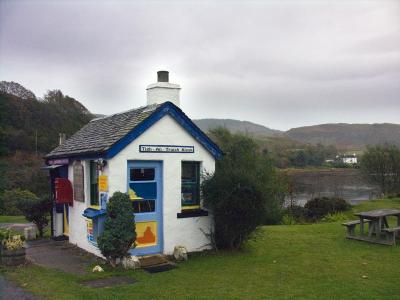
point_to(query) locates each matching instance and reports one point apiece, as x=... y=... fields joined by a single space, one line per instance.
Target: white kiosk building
x=156 y=154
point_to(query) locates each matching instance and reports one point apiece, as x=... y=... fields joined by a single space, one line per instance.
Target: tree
x=381 y=166
x=119 y=232
x=36 y=210
x=243 y=193
x=10 y=199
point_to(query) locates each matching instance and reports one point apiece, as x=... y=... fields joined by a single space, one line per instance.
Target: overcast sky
x=282 y=64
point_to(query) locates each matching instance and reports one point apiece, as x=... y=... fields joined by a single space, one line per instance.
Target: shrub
x=317 y=208
x=381 y=166
x=37 y=211
x=119 y=229
x=243 y=193
x=10 y=199
x=335 y=217
x=296 y=212
x=288 y=220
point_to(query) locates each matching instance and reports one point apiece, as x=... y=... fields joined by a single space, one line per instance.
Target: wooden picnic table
x=378 y=220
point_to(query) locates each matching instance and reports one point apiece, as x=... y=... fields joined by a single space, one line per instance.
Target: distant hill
x=347 y=136
x=14 y=88
x=237 y=126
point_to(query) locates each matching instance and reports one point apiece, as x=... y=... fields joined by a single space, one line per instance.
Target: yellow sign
x=146 y=234
x=103 y=186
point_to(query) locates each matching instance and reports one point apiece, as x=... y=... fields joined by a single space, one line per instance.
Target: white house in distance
x=347 y=158
x=156 y=154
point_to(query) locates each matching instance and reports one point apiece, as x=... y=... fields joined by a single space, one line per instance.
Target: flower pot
x=13 y=257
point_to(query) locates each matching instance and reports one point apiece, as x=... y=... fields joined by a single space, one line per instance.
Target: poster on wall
x=103 y=200
x=103 y=184
x=89 y=230
x=78 y=184
x=146 y=234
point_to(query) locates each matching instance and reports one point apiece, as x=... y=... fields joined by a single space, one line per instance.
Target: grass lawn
x=286 y=262
x=12 y=219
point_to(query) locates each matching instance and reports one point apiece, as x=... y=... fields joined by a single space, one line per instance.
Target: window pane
x=190 y=189
x=142 y=174
x=189 y=171
x=144 y=206
x=94 y=187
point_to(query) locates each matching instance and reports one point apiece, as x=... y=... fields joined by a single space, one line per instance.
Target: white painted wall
x=186 y=231
x=161 y=92
x=77 y=222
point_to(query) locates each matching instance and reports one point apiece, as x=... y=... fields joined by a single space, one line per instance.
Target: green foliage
x=317 y=208
x=22 y=170
x=295 y=214
x=288 y=220
x=243 y=193
x=381 y=166
x=21 y=120
x=335 y=217
x=119 y=229
x=36 y=210
x=22 y=123
x=312 y=155
x=9 y=201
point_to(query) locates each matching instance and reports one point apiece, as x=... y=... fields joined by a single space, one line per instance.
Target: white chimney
x=163 y=91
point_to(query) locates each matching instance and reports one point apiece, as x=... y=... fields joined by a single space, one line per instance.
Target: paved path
x=59 y=255
x=10 y=291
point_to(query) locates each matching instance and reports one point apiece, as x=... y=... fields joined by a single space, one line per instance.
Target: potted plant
x=12 y=250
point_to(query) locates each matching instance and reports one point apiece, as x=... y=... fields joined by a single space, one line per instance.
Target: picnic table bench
x=378 y=226
x=351 y=226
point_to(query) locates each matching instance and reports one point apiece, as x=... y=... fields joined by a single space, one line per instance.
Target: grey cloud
x=282 y=64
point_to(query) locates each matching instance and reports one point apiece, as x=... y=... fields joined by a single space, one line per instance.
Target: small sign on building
x=166 y=149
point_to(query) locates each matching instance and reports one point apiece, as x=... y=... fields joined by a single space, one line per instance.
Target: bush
x=119 y=229
x=335 y=217
x=243 y=193
x=10 y=199
x=296 y=213
x=381 y=166
x=37 y=211
x=317 y=208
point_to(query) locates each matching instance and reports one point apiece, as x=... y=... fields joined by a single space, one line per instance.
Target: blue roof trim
x=179 y=116
x=92 y=213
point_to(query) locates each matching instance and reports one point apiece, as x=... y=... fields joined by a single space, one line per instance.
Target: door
x=60 y=216
x=145 y=191
x=66 y=220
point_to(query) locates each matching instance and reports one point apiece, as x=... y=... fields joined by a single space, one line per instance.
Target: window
x=190 y=190
x=143 y=189
x=94 y=183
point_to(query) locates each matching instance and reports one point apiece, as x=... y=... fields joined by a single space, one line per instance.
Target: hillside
x=347 y=136
x=14 y=88
x=237 y=126
x=342 y=136
x=31 y=124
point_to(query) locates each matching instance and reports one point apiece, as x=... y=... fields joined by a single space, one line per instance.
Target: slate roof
x=101 y=133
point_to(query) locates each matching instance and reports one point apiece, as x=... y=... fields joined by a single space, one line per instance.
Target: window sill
x=192 y=213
